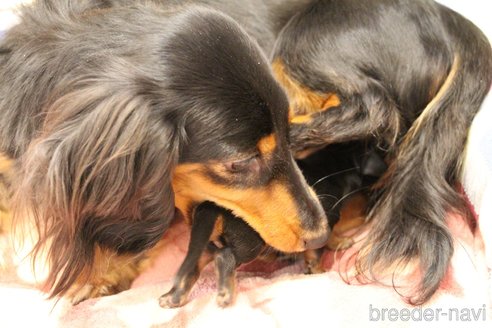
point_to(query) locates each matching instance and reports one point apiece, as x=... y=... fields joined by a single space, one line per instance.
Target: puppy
x=120 y=117
x=340 y=174
x=409 y=75
x=216 y=234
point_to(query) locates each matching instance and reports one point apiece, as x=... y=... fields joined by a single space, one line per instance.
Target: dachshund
x=340 y=174
x=408 y=75
x=119 y=118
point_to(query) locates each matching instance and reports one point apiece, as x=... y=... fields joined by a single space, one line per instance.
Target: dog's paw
x=92 y=291
x=312 y=261
x=225 y=297
x=340 y=243
x=172 y=299
x=313 y=266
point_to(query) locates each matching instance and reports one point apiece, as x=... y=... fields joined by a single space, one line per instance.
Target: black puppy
x=342 y=175
x=216 y=234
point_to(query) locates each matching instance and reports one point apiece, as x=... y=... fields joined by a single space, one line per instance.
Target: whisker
x=333 y=174
x=347 y=195
x=327 y=195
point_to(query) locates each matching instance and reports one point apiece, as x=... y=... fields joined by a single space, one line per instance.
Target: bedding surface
x=270 y=296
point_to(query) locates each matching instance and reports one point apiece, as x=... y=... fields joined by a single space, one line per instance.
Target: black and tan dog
x=341 y=175
x=407 y=74
x=120 y=117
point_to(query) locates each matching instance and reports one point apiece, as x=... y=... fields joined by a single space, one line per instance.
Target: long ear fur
x=419 y=189
x=98 y=174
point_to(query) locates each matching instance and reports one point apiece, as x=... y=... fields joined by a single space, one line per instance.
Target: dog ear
x=99 y=174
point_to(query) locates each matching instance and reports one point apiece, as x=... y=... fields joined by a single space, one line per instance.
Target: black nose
x=318 y=242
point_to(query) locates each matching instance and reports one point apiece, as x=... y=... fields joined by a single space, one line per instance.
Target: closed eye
x=251 y=164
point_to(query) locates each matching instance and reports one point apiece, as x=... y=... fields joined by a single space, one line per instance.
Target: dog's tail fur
x=419 y=187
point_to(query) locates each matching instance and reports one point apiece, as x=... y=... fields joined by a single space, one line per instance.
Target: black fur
x=339 y=171
x=239 y=244
x=411 y=74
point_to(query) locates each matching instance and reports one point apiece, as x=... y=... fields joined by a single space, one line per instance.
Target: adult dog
x=407 y=74
x=117 y=115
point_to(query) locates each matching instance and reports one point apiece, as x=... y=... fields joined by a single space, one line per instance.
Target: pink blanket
x=282 y=298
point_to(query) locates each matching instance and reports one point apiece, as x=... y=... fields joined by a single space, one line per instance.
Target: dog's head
x=124 y=140
x=235 y=117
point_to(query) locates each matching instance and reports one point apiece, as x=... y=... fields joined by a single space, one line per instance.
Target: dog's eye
x=251 y=164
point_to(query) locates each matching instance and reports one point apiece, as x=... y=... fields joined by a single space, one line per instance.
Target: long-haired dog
x=407 y=74
x=411 y=75
x=120 y=118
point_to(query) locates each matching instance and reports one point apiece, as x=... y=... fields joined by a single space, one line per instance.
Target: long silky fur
x=95 y=167
x=98 y=177
x=105 y=98
x=420 y=187
x=410 y=74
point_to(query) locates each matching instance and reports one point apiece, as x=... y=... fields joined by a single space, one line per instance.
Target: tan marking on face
x=271 y=210
x=302 y=100
x=267 y=144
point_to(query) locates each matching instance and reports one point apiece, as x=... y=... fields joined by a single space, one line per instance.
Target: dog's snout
x=315 y=209
x=315 y=223
x=314 y=216
x=316 y=242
